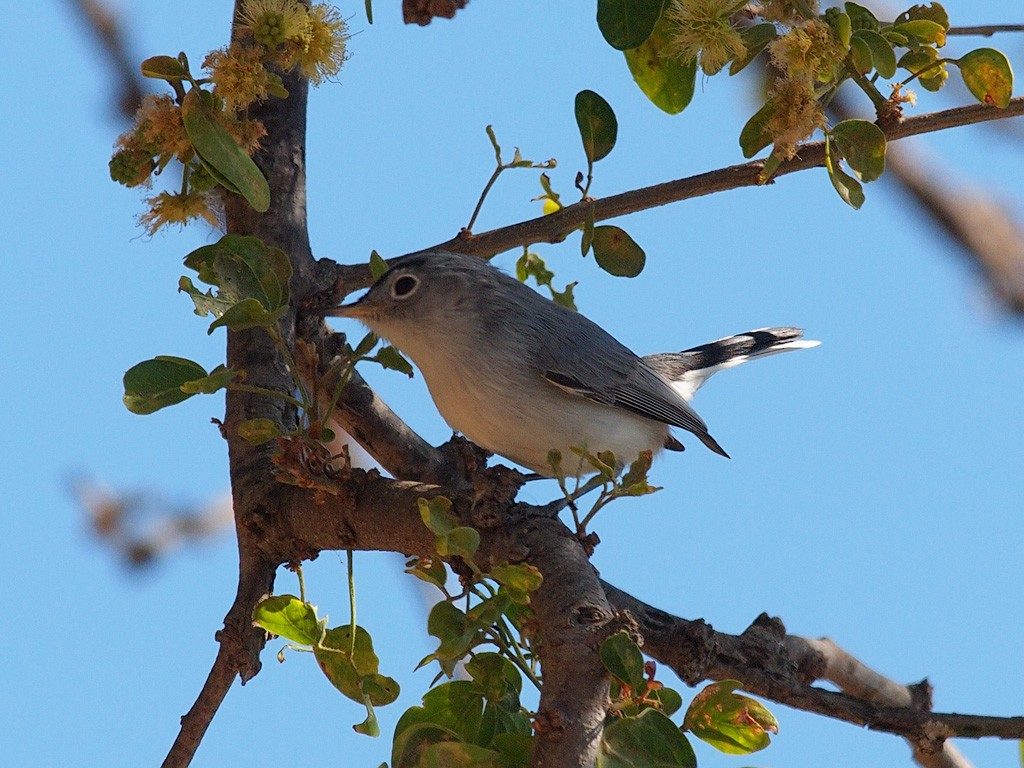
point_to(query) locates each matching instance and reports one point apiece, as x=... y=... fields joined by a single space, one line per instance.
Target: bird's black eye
x=404 y=286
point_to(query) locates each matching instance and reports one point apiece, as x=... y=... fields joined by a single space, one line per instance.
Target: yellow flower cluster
x=700 y=29
x=808 y=55
x=313 y=39
x=272 y=36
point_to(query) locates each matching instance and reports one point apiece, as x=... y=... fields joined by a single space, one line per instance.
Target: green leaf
x=840 y=23
x=461 y=541
x=863 y=145
x=848 y=187
x=988 y=76
x=587 y=241
x=453 y=710
x=217 y=380
x=621 y=656
x=206 y=303
x=433 y=573
x=860 y=55
x=664 y=79
x=377 y=265
x=390 y=358
x=290 y=618
x=163 y=68
x=244 y=267
x=923 y=60
x=861 y=17
x=755 y=135
x=883 y=58
x=216 y=147
x=932 y=12
x=155 y=384
x=565 y=298
x=520 y=580
x=637 y=472
x=369 y=727
x=616 y=252
x=515 y=748
x=453 y=754
x=755 y=39
x=627 y=23
x=380 y=689
x=924 y=30
x=368 y=342
x=449 y=625
x=437 y=515
x=248 y=313
x=259 y=431
x=496 y=677
x=415 y=738
x=734 y=724
x=354 y=674
x=669 y=699
x=649 y=740
x=597 y=124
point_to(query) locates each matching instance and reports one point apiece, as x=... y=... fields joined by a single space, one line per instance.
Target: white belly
x=527 y=432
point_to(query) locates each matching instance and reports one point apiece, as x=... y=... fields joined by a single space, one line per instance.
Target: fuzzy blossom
x=273 y=22
x=700 y=29
x=902 y=95
x=159 y=128
x=177 y=208
x=246 y=133
x=797 y=114
x=810 y=52
x=132 y=164
x=786 y=11
x=239 y=75
x=324 y=44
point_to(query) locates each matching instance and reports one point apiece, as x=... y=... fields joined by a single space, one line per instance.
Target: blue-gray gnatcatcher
x=521 y=375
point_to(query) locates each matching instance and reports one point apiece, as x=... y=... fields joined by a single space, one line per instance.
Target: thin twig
x=555 y=227
x=986 y=30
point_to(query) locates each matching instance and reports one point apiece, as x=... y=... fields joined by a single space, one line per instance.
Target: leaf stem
x=267 y=392
x=302 y=582
x=352 y=604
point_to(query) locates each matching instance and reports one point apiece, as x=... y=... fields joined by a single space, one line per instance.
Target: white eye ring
x=404 y=286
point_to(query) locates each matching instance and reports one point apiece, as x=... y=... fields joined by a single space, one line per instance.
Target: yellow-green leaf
x=987 y=75
x=163 y=68
x=616 y=252
x=664 y=79
x=290 y=618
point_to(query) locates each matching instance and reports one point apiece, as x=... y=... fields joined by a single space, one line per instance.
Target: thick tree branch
x=781 y=667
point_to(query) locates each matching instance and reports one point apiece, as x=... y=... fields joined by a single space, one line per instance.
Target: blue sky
x=875 y=488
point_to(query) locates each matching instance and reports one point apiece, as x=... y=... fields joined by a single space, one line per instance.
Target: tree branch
x=781 y=667
x=991 y=239
x=985 y=30
x=555 y=227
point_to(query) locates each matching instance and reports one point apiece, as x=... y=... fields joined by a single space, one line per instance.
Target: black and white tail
x=689 y=369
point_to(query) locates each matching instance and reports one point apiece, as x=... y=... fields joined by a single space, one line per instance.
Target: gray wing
x=582 y=359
